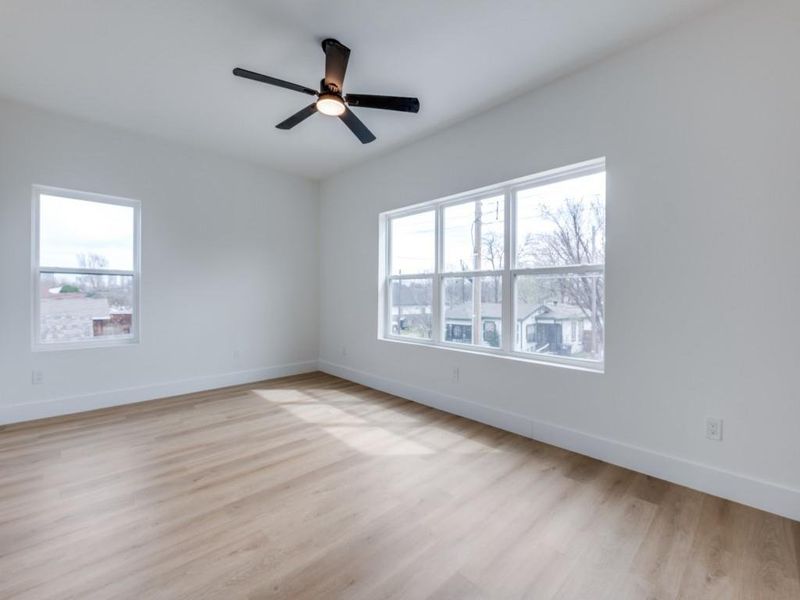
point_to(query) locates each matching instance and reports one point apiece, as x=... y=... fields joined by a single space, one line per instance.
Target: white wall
x=229 y=267
x=701 y=130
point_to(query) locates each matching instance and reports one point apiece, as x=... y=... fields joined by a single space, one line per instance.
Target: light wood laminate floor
x=315 y=487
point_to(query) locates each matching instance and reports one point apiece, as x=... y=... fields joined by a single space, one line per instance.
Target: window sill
x=574 y=364
x=94 y=345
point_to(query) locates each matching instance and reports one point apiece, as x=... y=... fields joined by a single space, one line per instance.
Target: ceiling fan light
x=331 y=105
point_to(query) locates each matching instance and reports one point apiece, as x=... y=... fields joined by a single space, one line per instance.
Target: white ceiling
x=164 y=67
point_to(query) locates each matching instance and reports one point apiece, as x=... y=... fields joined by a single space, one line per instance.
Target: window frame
x=37 y=269
x=508 y=275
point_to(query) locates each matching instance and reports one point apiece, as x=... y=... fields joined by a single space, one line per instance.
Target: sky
x=70 y=227
x=530 y=202
x=413 y=239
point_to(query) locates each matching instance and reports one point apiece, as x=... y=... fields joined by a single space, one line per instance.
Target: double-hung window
x=471 y=280
x=85 y=269
x=515 y=268
x=410 y=283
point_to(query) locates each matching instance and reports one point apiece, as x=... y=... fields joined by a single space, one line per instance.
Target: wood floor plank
x=715 y=568
x=316 y=487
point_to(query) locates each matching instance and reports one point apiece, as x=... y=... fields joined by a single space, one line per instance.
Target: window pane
x=560 y=315
x=78 y=233
x=491 y=310
x=410 y=307
x=413 y=244
x=562 y=223
x=474 y=235
x=76 y=308
x=460 y=315
x=457 y=300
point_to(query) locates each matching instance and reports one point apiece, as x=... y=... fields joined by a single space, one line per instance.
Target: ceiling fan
x=330 y=99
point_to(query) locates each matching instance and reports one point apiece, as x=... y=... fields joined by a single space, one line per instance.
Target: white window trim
x=37 y=269
x=508 y=189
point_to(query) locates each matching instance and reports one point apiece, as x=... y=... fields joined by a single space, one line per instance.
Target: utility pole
x=476 y=281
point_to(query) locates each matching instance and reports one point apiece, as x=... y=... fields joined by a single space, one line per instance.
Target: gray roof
x=560 y=311
x=463 y=312
x=68 y=317
x=494 y=310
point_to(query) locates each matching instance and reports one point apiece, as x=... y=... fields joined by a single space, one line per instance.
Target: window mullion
x=468 y=274
x=407 y=276
x=386 y=327
x=84 y=271
x=387 y=306
x=507 y=308
x=562 y=270
x=436 y=303
x=476 y=281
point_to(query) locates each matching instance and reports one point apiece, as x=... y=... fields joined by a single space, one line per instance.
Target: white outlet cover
x=714 y=429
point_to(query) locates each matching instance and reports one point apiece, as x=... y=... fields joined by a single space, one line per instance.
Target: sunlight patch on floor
x=385 y=431
x=443 y=440
x=282 y=396
x=377 y=441
x=323 y=414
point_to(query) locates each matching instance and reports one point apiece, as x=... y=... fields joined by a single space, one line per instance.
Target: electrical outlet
x=714 y=429
x=37 y=377
x=344 y=350
x=456 y=375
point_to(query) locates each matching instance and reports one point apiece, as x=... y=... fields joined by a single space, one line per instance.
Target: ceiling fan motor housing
x=329 y=88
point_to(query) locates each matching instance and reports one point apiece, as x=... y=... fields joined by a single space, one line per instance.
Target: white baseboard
x=764 y=495
x=16 y=413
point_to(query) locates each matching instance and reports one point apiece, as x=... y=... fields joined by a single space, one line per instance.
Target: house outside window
x=86 y=273
x=491 y=333
x=517 y=269
x=458 y=333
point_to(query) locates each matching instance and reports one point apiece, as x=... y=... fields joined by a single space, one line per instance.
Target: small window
x=516 y=268
x=86 y=269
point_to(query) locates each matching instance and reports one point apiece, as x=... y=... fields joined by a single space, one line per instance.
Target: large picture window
x=516 y=269
x=85 y=269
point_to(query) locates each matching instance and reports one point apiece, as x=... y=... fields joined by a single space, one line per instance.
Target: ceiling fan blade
x=298 y=117
x=336 y=57
x=273 y=81
x=357 y=127
x=385 y=102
